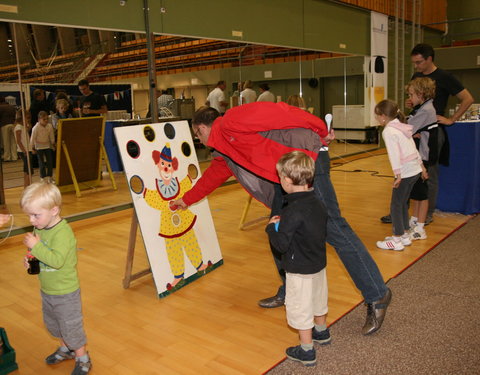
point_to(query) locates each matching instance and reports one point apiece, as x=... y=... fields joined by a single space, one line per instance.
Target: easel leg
x=130 y=252
x=245 y=212
x=243 y=224
x=72 y=172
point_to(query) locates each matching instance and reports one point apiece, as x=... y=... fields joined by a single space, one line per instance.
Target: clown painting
x=175 y=225
x=161 y=166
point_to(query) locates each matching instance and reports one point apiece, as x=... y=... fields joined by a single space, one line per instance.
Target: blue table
x=111 y=145
x=459 y=183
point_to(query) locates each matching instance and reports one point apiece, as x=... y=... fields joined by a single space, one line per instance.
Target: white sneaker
x=418 y=234
x=405 y=239
x=390 y=244
x=412 y=223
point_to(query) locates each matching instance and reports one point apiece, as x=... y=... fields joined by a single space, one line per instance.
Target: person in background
x=39 y=103
x=248 y=95
x=265 y=94
x=61 y=94
x=296 y=101
x=422 y=57
x=91 y=103
x=7 y=120
x=43 y=142
x=407 y=167
x=216 y=98
x=423 y=118
x=299 y=234
x=62 y=112
x=24 y=148
x=164 y=100
x=53 y=243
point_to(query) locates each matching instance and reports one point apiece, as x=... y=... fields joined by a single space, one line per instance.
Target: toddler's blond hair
x=41 y=194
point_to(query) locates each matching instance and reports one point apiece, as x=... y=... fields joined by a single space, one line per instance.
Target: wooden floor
x=212 y=326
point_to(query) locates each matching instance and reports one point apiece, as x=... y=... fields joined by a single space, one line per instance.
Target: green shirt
x=57 y=253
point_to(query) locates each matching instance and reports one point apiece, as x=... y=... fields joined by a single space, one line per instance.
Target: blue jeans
x=352 y=252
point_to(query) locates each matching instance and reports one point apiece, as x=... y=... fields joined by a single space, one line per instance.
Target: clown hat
x=166 y=153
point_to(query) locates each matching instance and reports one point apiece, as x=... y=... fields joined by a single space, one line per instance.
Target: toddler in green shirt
x=54 y=245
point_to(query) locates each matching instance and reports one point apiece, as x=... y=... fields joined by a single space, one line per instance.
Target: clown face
x=166 y=171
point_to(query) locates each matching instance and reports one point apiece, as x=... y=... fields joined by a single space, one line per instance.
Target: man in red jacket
x=248 y=141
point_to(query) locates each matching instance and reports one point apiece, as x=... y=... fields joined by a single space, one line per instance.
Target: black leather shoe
x=271 y=302
x=387 y=219
x=376 y=313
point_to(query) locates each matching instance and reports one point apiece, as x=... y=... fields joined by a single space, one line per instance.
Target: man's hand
x=444 y=120
x=330 y=137
x=180 y=204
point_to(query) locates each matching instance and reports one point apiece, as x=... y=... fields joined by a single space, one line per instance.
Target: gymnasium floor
x=212 y=326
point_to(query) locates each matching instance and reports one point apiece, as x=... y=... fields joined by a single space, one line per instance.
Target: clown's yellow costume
x=176 y=226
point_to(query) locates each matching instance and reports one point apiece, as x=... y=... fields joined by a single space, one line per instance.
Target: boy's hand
x=274 y=219
x=25 y=262
x=30 y=240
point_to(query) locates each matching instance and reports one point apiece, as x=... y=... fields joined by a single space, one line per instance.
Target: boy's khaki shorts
x=306 y=297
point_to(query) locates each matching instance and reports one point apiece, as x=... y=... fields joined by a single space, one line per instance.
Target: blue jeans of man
x=352 y=252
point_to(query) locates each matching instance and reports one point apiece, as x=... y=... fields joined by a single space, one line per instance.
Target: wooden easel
x=244 y=224
x=130 y=252
x=103 y=156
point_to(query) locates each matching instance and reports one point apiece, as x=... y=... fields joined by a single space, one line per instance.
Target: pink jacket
x=401 y=149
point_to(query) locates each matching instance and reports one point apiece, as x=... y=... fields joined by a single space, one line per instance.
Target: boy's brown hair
x=297 y=166
x=423 y=87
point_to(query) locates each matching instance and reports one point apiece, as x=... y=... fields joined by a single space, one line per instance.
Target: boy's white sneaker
x=390 y=244
x=418 y=233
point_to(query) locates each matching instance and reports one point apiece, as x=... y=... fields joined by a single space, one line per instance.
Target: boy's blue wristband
x=277 y=224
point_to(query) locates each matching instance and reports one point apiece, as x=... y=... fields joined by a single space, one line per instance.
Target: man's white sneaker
x=418 y=234
x=405 y=239
x=390 y=244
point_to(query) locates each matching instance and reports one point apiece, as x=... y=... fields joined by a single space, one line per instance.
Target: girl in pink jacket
x=407 y=167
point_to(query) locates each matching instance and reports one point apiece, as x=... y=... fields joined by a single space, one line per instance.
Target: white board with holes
x=161 y=165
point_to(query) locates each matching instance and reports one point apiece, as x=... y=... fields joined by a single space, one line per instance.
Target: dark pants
x=357 y=260
x=399 y=204
x=433 y=178
x=45 y=162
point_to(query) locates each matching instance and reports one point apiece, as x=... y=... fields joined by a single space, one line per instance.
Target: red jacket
x=237 y=135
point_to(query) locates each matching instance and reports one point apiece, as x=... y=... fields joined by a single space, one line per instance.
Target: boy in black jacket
x=299 y=234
